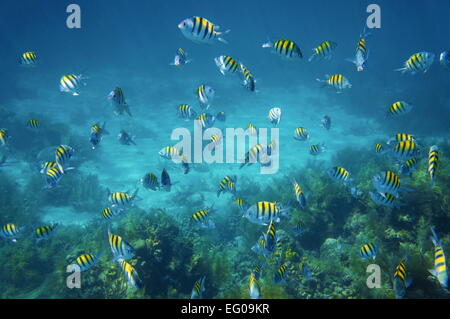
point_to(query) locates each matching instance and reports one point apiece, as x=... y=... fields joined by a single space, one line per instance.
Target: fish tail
x=434 y=237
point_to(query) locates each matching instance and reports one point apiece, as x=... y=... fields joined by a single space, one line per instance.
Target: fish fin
x=351 y=60
x=432 y=271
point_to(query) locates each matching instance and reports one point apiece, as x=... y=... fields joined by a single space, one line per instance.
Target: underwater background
x=130 y=44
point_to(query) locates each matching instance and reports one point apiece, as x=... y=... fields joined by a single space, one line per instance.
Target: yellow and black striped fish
x=418 y=62
x=108 y=213
x=379 y=148
x=225 y=63
x=227 y=184
x=170 y=152
x=440 y=265
x=400 y=281
x=385 y=199
x=201 y=30
x=198 y=289
x=241 y=204
x=150 y=181
x=264 y=212
x=86 y=261
x=215 y=139
x=33 y=124
x=405 y=150
x=70 y=83
x=4 y=136
x=44 y=231
x=53 y=176
x=205 y=120
x=286 y=48
x=131 y=274
x=323 y=50
x=337 y=81
x=301 y=134
x=280 y=273
x=299 y=194
x=46 y=165
x=316 y=149
x=408 y=167
x=368 y=251
x=205 y=95
x=186 y=112
x=10 y=232
x=63 y=154
x=251 y=129
x=388 y=182
x=28 y=58
x=248 y=79
x=201 y=217
x=121 y=198
x=120 y=248
x=254 y=287
x=339 y=173
x=399 y=108
x=433 y=161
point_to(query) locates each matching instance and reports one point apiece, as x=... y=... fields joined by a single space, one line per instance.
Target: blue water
x=129 y=44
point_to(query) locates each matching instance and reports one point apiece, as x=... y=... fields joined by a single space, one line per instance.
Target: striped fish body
x=339 y=174
x=130 y=274
x=299 y=194
x=274 y=115
x=254 y=287
x=87 y=261
x=418 y=62
x=316 y=149
x=323 y=50
x=120 y=248
x=53 y=176
x=108 y=212
x=260 y=248
x=301 y=134
x=205 y=120
x=71 y=83
x=385 y=199
x=248 y=81
x=262 y=213
x=200 y=30
x=198 y=289
x=44 y=232
x=252 y=155
x=121 y=199
x=150 y=181
x=186 y=112
x=280 y=274
x=287 y=49
x=399 y=280
x=399 y=108
x=408 y=167
x=241 y=204
x=387 y=182
x=117 y=96
x=180 y=58
x=227 y=184
x=440 y=266
x=368 y=251
x=401 y=137
x=10 y=232
x=205 y=95
x=202 y=219
x=251 y=129
x=166 y=184
x=170 y=152
x=337 y=81
x=63 y=154
x=47 y=165
x=28 y=58
x=226 y=64
x=433 y=161
x=270 y=237
x=379 y=148
x=405 y=150
x=34 y=124
x=4 y=136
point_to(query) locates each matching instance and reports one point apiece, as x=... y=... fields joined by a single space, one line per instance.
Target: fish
x=301 y=134
x=385 y=199
x=171 y=153
x=97 y=133
x=198 y=289
x=280 y=274
x=33 y=124
x=326 y=122
x=221 y=116
x=401 y=137
x=215 y=140
x=264 y=212
x=186 y=112
x=316 y=149
x=252 y=155
x=87 y=261
x=433 y=161
x=409 y=166
x=47 y=165
x=71 y=83
x=130 y=273
x=28 y=58
x=418 y=62
x=226 y=64
x=125 y=139
x=248 y=80
x=122 y=199
x=400 y=280
x=275 y=116
x=444 y=58
x=241 y=204
x=323 y=50
x=270 y=237
x=53 y=176
x=118 y=100
x=251 y=129
x=299 y=194
x=440 y=266
x=10 y=232
x=180 y=58
x=362 y=54
x=150 y=181
x=337 y=81
x=44 y=232
x=227 y=184
x=379 y=149
x=205 y=120
x=368 y=251
x=108 y=212
x=201 y=218
x=205 y=95
x=399 y=108
x=388 y=182
x=254 y=287
x=165 y=181
x=339 y=174
x=120 y=248
x=405 y=150
x=4 y=136
x=63 y=154
x=287 y=49
x=200 y=30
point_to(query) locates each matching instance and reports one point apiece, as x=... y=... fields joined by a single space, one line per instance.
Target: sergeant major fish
x=130 y=274
x=198 y=289
x=323 y=50
x=120 y=248
x=71 y=83
x=418 y=62
x=362 y=54
x=118 y=100
x=287 y=49
x=226 y=64
x=180 y=58
x=200 y=30
x=433 y=161
x=125 y=139
x=337 y=81
x=28 y=58
x=440 y=265
x=205 y=95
